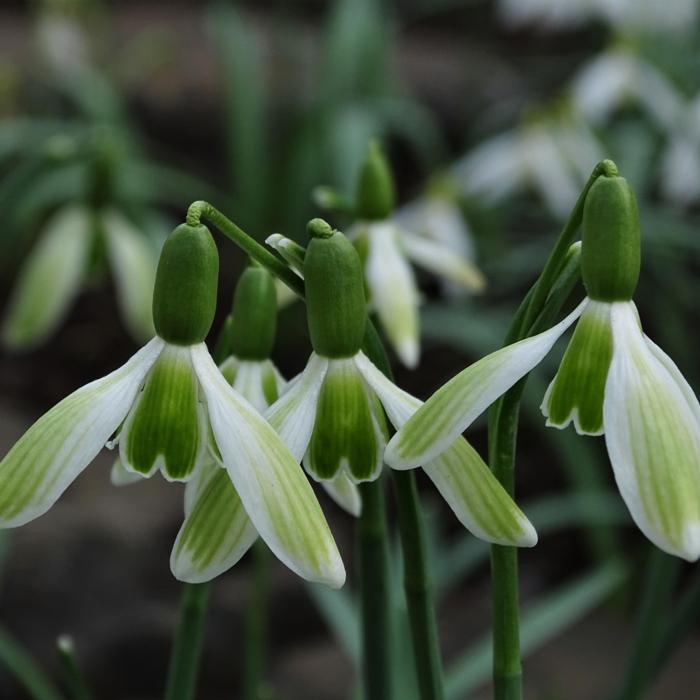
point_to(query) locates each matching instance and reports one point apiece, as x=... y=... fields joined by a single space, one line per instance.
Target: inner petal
x=166 y=428
x=346 y=434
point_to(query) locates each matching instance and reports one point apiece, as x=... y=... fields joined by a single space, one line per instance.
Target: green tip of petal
x=577 y=391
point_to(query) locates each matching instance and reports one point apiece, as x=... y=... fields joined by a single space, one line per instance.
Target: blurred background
x=115 y=116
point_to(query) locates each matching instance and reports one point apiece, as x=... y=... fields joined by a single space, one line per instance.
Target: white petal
x=345 y=493
x=119 y=475
x=134 y=264
x=652 y=434
x=249 y=384
x=216 y=532
x=294 y=413
x=451 y=410
x=50 y=279
x=53 y=452
x=460 y=475
x=269 y=481
x=393 y=290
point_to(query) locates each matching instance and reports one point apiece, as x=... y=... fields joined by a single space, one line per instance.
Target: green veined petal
x=50 y=279
x=216 y=532
x=345 y=437
x=53 y=452
x=465 y=482
x=453 y=407
x=167 y=427
x=134 y=263
x=269 y=481
x=652 y=434
x=576 y=392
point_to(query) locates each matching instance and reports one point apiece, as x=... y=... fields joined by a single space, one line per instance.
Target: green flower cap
x=184 y=298
x=335 y=295
x=610 y=254
x=376 y=196
x=254 y=315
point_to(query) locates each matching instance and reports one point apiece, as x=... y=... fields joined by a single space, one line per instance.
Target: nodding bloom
x=551 y=152
x=612 y=380
x=57 y=267
x=332 y=415
x=388 y=245
x=171 y=400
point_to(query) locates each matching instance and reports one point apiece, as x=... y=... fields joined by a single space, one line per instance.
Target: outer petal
x=453 y=407
x=443 y=261
x=216 y=532
x=476 y=497
x=393 y=289
x=50 y=279
x=345 y=493
x=271 y=484
x=51 y=454
x=652 y=433
x=288 y=249
x=293 y=415
x=134 y=264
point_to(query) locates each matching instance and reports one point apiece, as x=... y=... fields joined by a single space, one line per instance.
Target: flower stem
x=539 y=305
x=187 y=645
x=373 y=553
x=256 y=623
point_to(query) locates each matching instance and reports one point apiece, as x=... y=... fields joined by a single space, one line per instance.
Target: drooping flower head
x=612 y=380
x=332 y=415
x=389 y=244
x=170 y=399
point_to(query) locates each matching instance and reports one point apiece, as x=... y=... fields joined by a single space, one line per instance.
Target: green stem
x=503 y=431
x=77 y=685
x=187 y=645
x=372 y=541
x=661 y=574
x=417 y=586
x=256 y=623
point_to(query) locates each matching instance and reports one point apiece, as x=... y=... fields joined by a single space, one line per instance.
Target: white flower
x=169 y=399
x=554 y=155
x=331 y=417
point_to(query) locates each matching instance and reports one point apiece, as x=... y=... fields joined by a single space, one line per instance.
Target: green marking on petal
x=229 y=368
x=344 y=435
x=577 y=391
x=270 y=382
x=216 y=533
x=166 y=428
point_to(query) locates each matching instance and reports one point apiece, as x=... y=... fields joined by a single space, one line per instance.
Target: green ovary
x=344 y=435
x=164 y=428
x=579 y=386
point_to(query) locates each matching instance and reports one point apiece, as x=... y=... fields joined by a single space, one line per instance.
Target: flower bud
x=375 y=188
x=184 y=297
x=610 y=253
x=254 y=315
x=335 y=295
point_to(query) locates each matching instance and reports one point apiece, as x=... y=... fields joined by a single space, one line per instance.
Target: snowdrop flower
x=331 y=416
x=169 y=398
x=550 y=14
x=389 y=245
x=619 y=76
x=613 y=380
x=56 y=269
x=553 y=153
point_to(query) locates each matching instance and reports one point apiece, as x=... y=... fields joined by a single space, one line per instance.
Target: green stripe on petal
x=269 y=481
x=465 y=482
x=345 y=436
x=53 y=452
x=453 y=407
x=216 y=532
x=50 y=279
x=576 y=392
x=652 y=433
x=393 y=290
x=229 y=368
x=293 y=415
x=166 y=429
